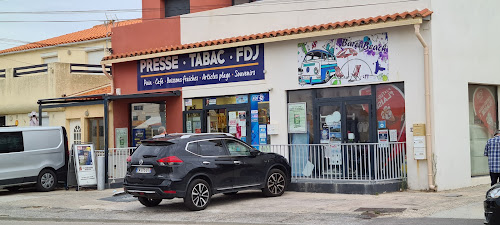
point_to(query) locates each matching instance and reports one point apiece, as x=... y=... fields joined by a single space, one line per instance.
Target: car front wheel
x=149 y=202
x=275 y=183
x=198 y=195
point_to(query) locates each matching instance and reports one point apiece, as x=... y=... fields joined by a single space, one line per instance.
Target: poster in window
x=390 y=108
x=297 y=122
x=485 y=108
x=121 y=137
x=383 y=138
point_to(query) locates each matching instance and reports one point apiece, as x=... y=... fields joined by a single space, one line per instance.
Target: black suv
x=197 y=166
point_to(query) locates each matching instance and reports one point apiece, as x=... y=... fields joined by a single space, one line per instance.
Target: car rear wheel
x=149 y=202
x=198 y=195
x=275 y=183
x=46 y=181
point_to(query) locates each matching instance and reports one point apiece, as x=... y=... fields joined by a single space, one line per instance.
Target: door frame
x=203 y=119
x=229 y=107
x=342 y=102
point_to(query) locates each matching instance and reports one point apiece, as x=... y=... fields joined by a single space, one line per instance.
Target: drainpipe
x=109 y=77
x=428 y=135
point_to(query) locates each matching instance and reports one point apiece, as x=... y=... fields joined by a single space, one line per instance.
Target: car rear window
x=154 y=149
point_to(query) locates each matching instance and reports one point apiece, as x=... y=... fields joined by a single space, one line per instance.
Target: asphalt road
x=250 y=207
x=332 y=220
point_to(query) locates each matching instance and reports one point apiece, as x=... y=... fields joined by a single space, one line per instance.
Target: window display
x=482 y=124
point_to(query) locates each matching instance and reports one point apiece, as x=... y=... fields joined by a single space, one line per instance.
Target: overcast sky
x=14 y=33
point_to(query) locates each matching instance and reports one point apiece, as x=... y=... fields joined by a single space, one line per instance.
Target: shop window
x=307 y=97
x=483 y=122
x=193 y=104
x=391 y=110
x=147 y=120
x=226 y=100
x=344 y=92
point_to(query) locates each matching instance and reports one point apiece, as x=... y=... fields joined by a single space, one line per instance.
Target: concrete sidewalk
x=243 y=207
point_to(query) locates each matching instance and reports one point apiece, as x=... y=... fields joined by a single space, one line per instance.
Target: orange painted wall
x=204 y=5
x=153 y=9
x=148 y=34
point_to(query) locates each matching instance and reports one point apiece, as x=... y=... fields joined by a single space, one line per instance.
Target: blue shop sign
x=210 y=67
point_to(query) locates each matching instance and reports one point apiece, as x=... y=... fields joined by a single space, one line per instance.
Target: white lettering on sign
x=244 y=73
x=247 y=53
x=159 y=64
x=206 y=58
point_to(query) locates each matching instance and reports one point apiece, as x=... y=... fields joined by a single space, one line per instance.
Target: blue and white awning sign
x=199 y=68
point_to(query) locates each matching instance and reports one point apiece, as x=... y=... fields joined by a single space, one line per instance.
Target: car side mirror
x=254 y=152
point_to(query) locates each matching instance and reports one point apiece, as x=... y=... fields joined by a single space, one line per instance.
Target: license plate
x=143 y=170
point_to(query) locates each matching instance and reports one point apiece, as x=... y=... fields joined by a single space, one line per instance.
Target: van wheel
x=275 y=183
x=46 y=181
x=149 y=202
x=198 y=195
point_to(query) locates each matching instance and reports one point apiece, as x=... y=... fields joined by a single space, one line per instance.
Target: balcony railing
x=27 y=70
x=88 y=68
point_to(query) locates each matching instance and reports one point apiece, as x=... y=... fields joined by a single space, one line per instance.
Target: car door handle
x=206 y=162
x=237 y=162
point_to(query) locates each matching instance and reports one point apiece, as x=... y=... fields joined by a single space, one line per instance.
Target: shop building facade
x=358 y=76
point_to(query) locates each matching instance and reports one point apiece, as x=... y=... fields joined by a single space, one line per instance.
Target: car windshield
x=313 y=55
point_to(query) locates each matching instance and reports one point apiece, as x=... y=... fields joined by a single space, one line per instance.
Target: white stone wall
x=405 y=65
x=464 y=51
x=271 y=15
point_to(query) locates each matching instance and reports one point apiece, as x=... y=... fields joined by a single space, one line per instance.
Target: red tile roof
x=96 y=32
x=349 y=23
x=105 y=89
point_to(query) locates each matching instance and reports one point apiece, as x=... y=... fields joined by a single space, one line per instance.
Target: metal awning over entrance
x=102 y=99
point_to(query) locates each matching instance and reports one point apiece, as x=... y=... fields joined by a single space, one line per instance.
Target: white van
x=33 y=155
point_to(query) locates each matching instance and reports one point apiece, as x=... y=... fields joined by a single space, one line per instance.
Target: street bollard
x=100 y=172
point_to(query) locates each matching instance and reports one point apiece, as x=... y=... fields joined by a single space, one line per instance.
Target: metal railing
x=26 y=70
x=88 y=68
x=117 y=162
x=309 y=162
x=346 y=161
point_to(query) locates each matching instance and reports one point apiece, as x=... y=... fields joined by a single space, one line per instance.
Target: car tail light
x=171 y=160
x=169 y=192
x=129 y=158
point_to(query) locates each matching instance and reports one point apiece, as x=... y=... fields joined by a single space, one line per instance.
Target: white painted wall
x=464 y=50
x=463 y=47
x=271 y=15
x=405 y=64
